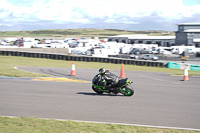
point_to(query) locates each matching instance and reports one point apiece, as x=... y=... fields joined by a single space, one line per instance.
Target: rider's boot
x=115 y=91
x=109 y=88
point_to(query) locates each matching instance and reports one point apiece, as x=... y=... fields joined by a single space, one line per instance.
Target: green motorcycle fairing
x=121 y=89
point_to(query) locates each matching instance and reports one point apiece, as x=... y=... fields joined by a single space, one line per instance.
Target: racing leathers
x=109 y=80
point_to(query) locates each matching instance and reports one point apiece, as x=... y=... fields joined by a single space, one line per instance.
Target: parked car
x=139 y=51
x=73 y=44
x=133 y=56
x=145 y=52
x=57 y=44
x=149 y=57
x=134 y=51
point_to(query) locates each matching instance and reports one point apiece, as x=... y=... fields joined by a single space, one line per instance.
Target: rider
x=112 y=79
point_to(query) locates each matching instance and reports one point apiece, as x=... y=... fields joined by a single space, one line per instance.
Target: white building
x=188 y=34
x=164 y=41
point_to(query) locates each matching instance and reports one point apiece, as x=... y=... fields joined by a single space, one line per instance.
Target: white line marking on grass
x=28 y=71
x=126 y=124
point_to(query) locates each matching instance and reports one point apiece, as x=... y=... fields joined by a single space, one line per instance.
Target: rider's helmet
x=102 y=70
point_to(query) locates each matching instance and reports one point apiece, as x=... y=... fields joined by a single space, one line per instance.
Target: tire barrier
x=82 y=58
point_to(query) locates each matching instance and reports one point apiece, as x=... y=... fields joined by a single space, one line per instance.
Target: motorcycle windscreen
x=95 y=79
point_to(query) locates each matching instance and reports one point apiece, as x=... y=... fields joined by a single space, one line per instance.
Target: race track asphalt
x=159 y=99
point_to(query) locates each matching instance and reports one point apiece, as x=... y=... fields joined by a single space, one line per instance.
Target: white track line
x=27 y=71
x=126 y=124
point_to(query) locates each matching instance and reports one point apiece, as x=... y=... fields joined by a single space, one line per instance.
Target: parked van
x=180 y=49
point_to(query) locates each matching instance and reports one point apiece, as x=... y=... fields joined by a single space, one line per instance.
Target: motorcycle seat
x=121 y=82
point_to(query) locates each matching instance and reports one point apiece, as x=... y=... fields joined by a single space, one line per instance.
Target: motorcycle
x=123 y=86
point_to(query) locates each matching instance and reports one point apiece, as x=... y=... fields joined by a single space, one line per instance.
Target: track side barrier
x=82 y=58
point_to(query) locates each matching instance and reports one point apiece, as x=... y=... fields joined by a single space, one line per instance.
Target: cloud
x=98 y=12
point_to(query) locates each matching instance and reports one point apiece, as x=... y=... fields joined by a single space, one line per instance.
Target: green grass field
x=7 y=64
x=35 y=125
x=102 y=33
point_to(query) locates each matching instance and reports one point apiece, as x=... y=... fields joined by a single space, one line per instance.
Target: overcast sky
x=20 y=15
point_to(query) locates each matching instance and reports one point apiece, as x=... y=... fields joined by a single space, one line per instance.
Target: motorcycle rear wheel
x=97 y=90
x=128 y=91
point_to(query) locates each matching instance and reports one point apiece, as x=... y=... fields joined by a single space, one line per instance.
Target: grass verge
x=35 y=125
x=101 y=33
x=7 y=64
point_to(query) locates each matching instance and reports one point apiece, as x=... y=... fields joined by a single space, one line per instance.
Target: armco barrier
x=173 y=65
x=81 y=58
x=183 y=65
x=195 y=67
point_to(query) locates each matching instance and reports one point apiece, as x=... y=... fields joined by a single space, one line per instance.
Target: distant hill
x=89 y=33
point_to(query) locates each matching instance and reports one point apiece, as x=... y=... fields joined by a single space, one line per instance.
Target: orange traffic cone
x=122 y=75
x=73 y=73
x=185 y=78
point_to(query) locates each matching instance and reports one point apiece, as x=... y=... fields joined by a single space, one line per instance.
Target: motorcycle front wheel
x=128 y=91
x=97 y=90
